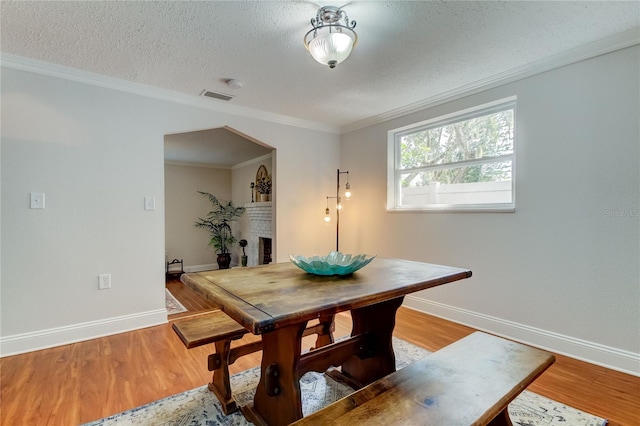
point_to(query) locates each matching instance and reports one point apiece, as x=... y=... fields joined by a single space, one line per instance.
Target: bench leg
x=501 y=419
x=220 y=384
x=328 y=327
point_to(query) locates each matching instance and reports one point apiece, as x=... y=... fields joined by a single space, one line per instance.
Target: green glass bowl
x=335 y=263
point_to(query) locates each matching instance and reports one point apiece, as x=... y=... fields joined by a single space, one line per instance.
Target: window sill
x=510 y=208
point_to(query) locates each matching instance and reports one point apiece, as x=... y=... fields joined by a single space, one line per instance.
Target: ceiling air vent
x=222 y=96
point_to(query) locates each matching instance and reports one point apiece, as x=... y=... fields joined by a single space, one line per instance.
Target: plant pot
x=264 y=197
x=224 y=260
x=243 y=260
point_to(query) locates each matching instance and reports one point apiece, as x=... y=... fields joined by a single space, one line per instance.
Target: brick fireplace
x=259 y=242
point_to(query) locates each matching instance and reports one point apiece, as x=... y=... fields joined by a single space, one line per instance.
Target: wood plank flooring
x=193 y=301
x=81 y=382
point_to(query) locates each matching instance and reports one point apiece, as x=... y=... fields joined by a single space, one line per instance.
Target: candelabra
x=338 y=198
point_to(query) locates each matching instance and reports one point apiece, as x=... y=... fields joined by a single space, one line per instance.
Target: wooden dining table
x=277 y=301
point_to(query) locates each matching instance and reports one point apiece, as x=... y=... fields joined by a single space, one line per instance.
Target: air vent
x=221 y=96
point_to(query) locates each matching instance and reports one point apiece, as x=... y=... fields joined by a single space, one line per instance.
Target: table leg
x=501 y=419
x=377 y=358
x=278 y=400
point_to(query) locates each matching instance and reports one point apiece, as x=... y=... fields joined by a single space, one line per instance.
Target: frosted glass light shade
x=332 y=48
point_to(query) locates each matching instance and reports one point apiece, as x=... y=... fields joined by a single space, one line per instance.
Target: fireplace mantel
x=259 y=210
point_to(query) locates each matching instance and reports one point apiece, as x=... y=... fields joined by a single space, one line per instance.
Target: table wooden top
x=266 y=297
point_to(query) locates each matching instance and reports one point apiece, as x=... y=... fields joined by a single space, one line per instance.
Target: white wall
x=96 y=153
x=563 y=270
x=183 y=206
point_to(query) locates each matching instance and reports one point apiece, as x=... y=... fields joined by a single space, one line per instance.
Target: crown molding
x=607 y=45
x=601 y=47
x=253 y=161
x=73 y=74
x=222 y=167
x=201 y=165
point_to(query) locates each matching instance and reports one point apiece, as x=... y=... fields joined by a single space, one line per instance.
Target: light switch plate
x=36 y=200
x=149 y=203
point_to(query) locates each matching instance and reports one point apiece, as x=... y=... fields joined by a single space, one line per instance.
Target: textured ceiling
x=407 y=51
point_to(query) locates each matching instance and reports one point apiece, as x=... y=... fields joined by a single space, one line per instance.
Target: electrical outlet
x=104 y=281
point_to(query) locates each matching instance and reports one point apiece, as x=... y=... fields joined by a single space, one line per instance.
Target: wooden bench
x=218 y=328
x=469 y=382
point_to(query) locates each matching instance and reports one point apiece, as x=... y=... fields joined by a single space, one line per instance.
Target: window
x=459 y=162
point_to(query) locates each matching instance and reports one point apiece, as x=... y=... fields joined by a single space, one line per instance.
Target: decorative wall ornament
x=263 y=184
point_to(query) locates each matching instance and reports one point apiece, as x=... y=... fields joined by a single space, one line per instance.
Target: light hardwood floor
x=81 y=382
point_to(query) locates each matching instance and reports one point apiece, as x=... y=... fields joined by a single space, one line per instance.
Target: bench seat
x=470 y=382
x=207 y=328
x=218 y=328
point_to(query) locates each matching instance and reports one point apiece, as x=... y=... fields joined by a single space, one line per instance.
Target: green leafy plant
x=218 y=223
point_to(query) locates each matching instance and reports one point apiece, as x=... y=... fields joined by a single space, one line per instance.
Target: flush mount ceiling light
x=331 y=42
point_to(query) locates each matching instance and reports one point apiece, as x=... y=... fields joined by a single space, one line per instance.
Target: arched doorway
x=223 y=162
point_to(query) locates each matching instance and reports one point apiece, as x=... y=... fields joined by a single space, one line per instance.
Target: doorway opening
x=222 y=162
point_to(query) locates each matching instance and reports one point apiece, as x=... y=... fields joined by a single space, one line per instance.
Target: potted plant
x=263 y=186
x=218 y=223
x=243 y=259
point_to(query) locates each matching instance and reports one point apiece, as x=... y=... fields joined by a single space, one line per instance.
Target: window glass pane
x=462 y=161
x=487 y=183
x=488 y=135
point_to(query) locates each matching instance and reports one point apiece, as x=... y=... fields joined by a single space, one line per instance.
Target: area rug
x=199 y=407
x=172 y=304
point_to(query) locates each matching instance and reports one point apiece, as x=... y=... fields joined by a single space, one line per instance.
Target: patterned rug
x=199 y=407
x=172 y=304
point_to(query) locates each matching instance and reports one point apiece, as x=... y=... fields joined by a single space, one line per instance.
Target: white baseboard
x=43 y=339
x=594 y=353
x=200 y=268
x=208 y=267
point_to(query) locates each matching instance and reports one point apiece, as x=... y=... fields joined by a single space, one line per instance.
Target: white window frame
x=394 y=190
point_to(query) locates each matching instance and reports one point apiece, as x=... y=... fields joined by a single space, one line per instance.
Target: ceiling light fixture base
x=330 y=42
x=234 y=83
